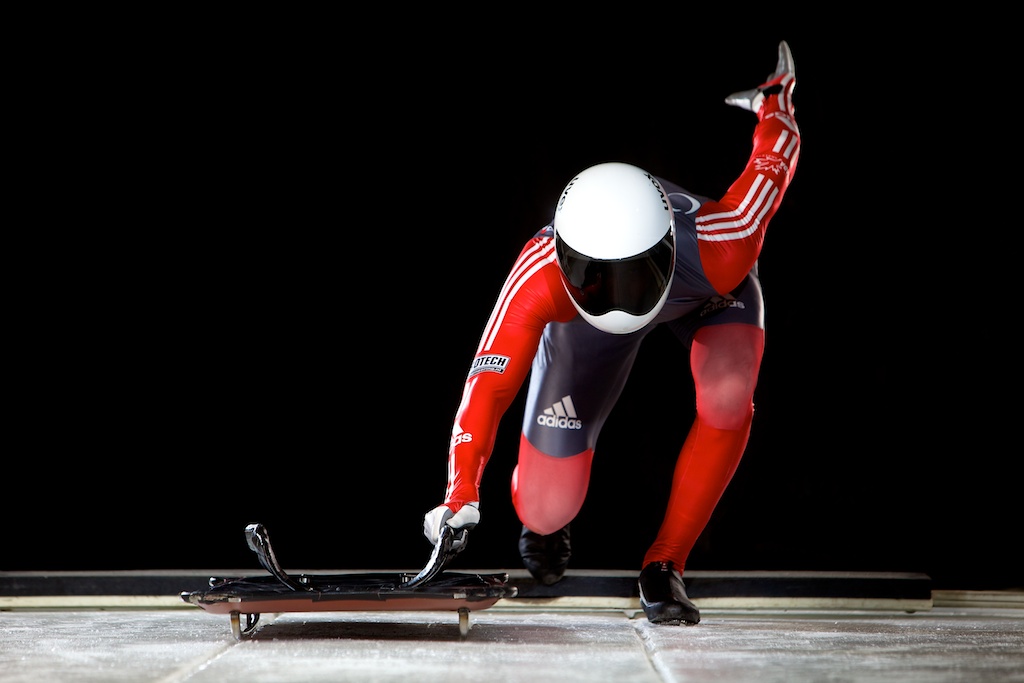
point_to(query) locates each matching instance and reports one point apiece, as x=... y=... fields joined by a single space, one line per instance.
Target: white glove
x=467 y=518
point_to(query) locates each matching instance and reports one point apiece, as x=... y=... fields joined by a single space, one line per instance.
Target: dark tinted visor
x=633 y=284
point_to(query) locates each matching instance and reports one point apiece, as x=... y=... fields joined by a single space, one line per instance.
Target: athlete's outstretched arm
x=731 y=231
x=531 y=296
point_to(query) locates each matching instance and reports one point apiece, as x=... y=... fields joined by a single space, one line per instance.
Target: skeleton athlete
x=626 y=251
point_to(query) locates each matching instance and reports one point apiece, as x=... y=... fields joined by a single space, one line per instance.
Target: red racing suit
x=714 y=307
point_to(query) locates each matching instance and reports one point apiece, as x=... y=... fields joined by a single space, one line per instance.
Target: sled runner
x=431 y=589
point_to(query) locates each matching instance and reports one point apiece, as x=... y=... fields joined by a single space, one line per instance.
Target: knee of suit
x=548 y=492
x=727 y=414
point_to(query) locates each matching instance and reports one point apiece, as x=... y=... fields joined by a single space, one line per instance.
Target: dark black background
x=277 y=253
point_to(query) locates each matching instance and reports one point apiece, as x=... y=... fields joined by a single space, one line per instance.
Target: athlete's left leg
x=725 y=361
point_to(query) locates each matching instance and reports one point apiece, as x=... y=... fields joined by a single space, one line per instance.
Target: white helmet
x=616 y=244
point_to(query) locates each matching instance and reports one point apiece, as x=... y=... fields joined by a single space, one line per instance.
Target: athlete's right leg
x=578 y=373
x=548 y=491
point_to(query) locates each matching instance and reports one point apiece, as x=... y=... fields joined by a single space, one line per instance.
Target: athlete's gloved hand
x=781 y=83
x=462 y=521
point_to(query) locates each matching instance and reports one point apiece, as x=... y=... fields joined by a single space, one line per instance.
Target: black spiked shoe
x=663 y=596
x=546 y=556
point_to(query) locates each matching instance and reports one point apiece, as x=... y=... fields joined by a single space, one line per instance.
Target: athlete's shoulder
x=535 y=283
x=539 y=250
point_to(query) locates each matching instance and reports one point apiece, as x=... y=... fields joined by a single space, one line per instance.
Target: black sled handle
x=258 y=538
x=442 y=554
